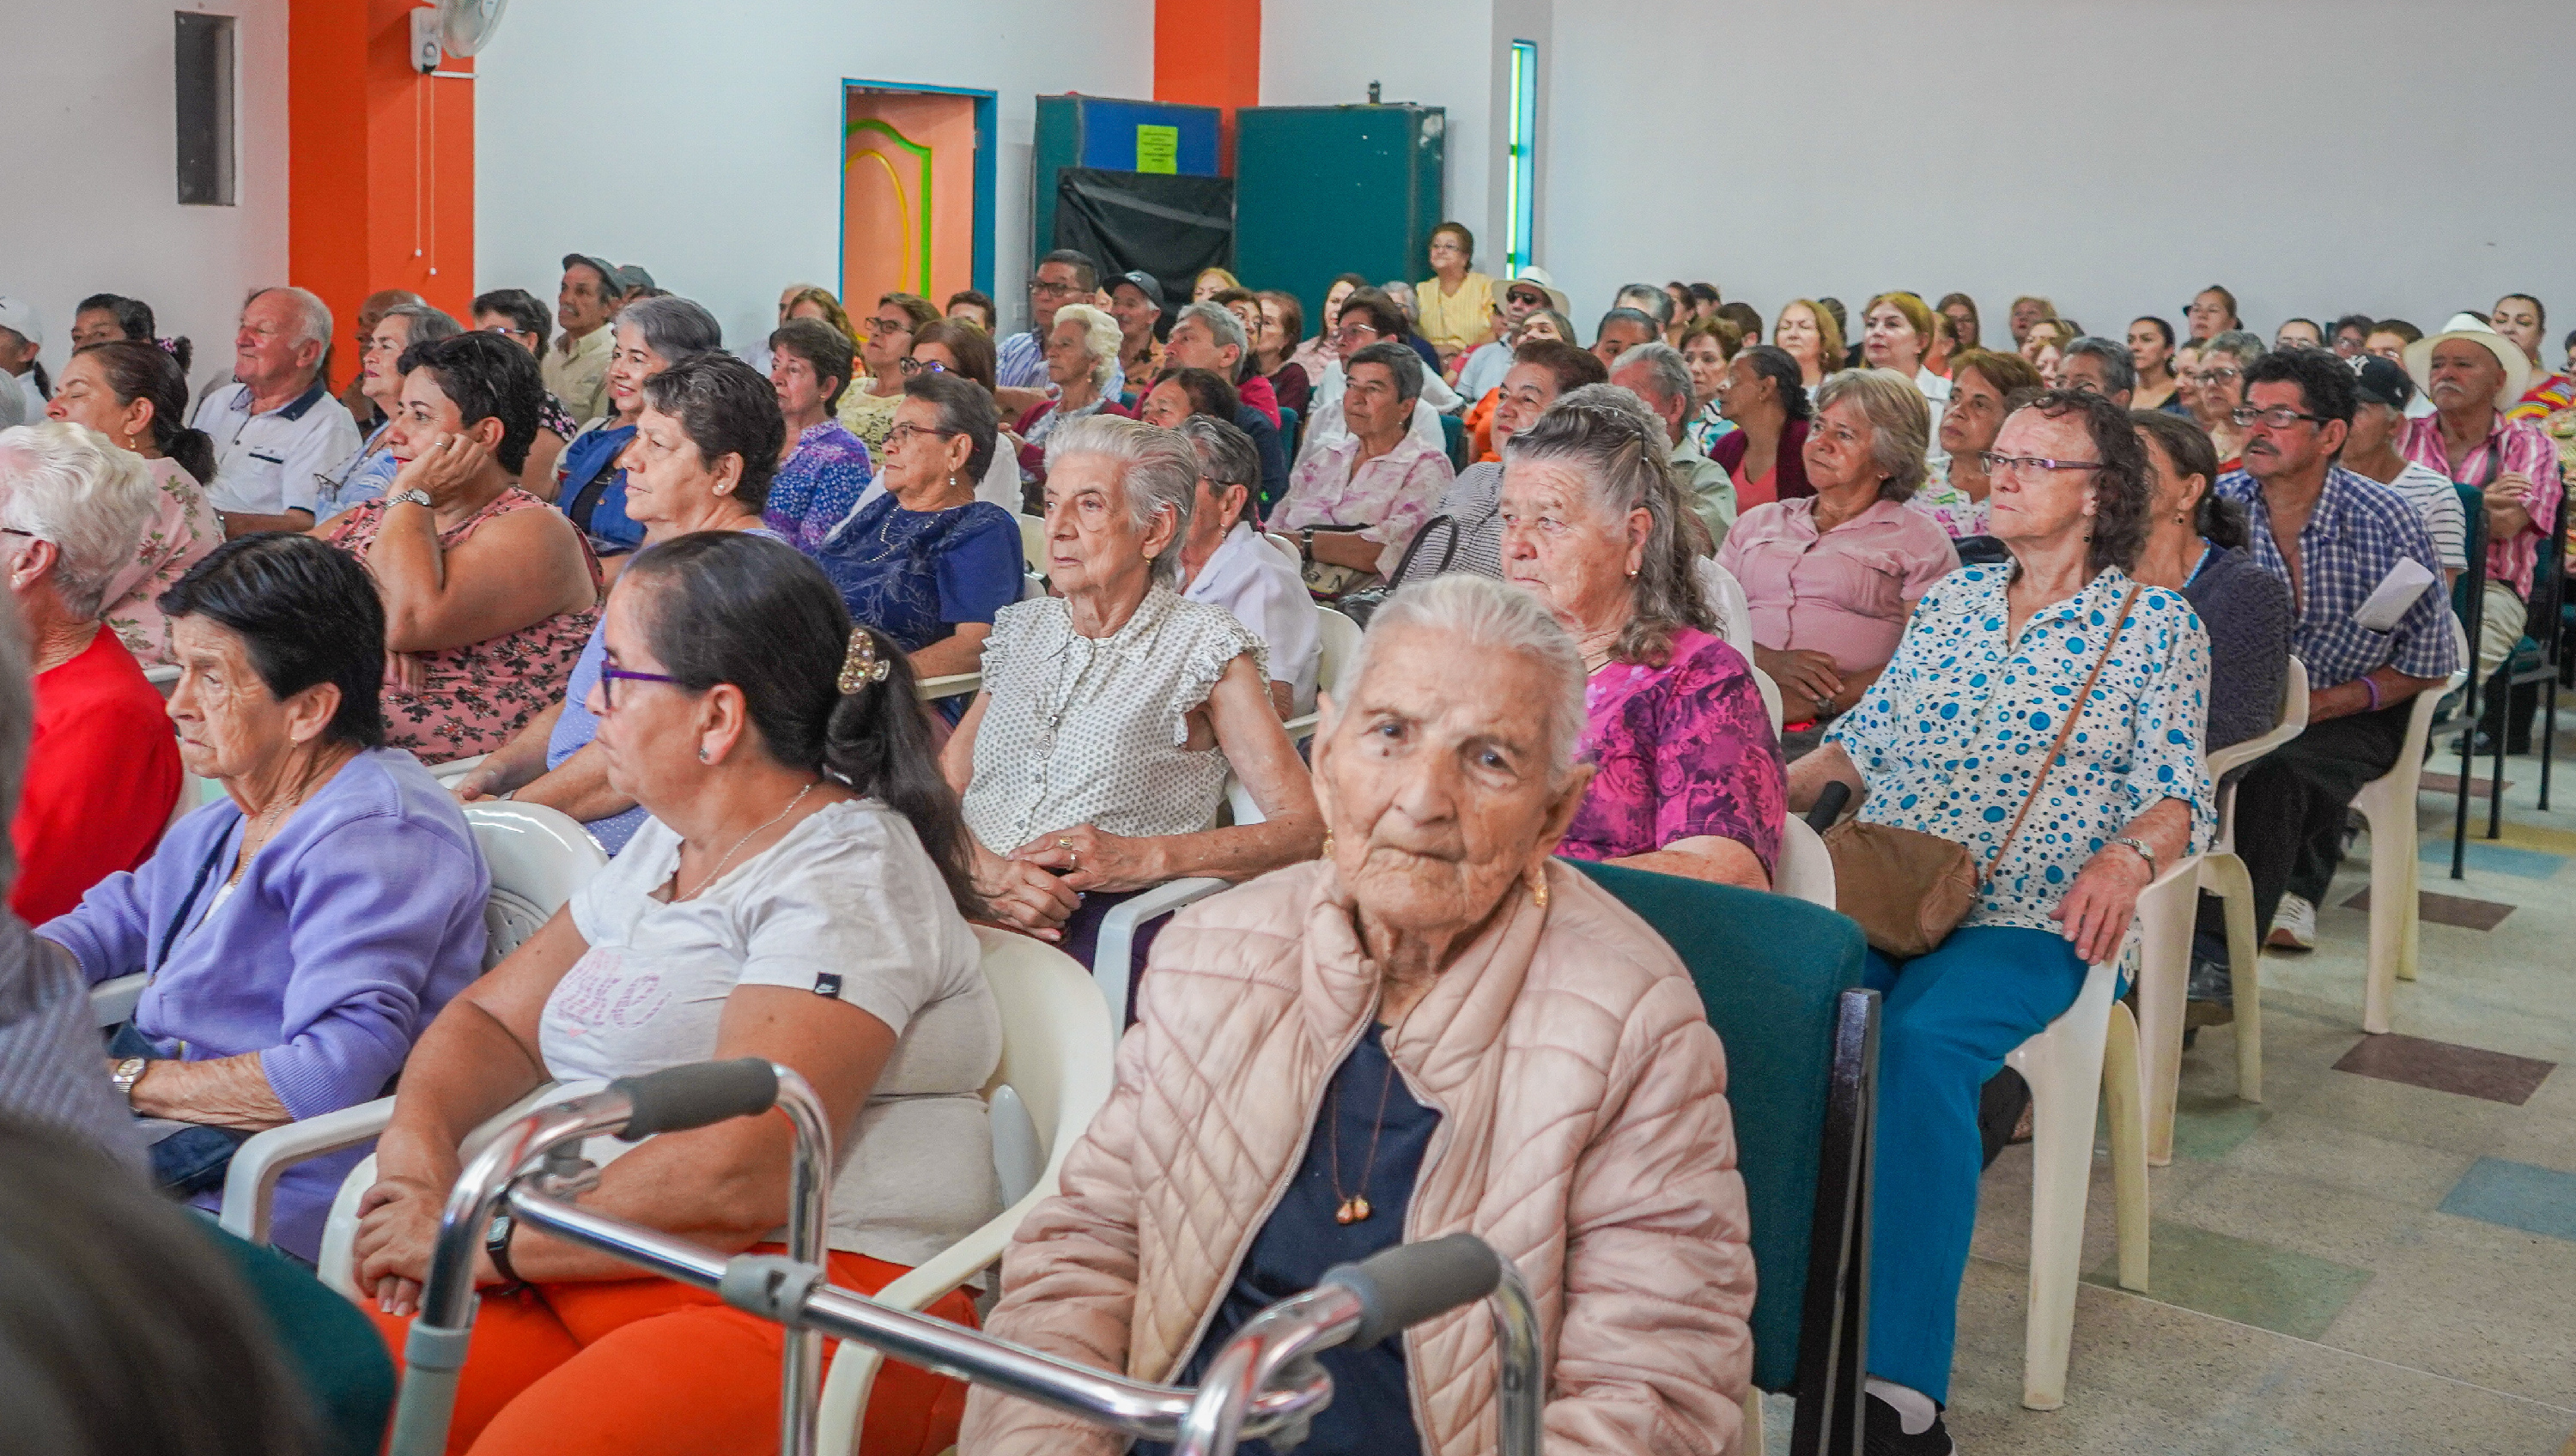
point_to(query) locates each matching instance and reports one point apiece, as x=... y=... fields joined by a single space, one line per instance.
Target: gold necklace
x=1353 y=1207
x=716 y=873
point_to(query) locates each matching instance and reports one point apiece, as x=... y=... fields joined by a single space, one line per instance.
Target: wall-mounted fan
x=455 y=27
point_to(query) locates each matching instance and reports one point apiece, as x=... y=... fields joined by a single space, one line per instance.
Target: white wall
x=92 y=171
x=704 y=141
x=2317 y=156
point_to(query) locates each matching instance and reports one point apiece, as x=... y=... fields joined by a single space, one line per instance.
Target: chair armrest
x=456 y=768
x=1302 y=727
x=955 y=684
x=1114 y=947
x=250 y=1186
x=112 y=1002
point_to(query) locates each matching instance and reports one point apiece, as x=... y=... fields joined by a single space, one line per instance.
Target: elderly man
x=2095 y=365
x=1622 y=329
x=278 y=428
x=2299 y=333
x=576 y=363
x=1656 y=374
x=1208 y=336
x=1226 y=563
x=1136 y=301
x=2333 y=537
x=1355 y=503
x=2472 y=374
x=22 y=337
x=1064 y=276
x=1527 y=293
x=2370 y=451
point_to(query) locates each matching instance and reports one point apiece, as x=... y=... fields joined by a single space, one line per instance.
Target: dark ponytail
x=742 y=608
x=134 y=321
x=143 y=370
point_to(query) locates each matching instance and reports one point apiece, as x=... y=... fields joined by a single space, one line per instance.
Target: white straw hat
x=2517 y=368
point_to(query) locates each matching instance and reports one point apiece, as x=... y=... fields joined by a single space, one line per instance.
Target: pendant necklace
x=1353 y=1207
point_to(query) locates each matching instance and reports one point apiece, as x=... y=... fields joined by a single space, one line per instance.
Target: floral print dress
x=475 y=698
x=182 y=530
x=1680 y=750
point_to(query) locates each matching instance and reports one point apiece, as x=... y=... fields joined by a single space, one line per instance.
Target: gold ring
x=1064 y=844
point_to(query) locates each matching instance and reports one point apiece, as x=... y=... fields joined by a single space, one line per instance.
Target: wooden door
x=907 y=196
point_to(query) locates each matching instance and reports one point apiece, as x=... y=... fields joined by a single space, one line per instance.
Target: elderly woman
x=652 y=335
x=101 y=772
x=700 y=462
x=1831 y=578
x=800 y=894
x=1226 y=563
x=824 y=470
x=1687 y=775
x=1181 y=393
x=1989 y=690
x=1765 y=455
x=1708 y=345
x=1807 y=332
x=925 y=562
x=364 y=475
x=1081 y=355
x=1353 y=504
x=2044 y=345
x=1955 y=489
x=1093 y=761
x=301 y=931
x=963 y=351
x=1465 y=531
x=2218 y=387
x=1283 y=323
x=488 y=595
x=137 y=397
x=885 y=343
x=1255 y=1137
x=1456 y=303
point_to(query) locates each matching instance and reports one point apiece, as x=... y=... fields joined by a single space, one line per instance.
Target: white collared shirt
x=1254 y=580
x=272 y=462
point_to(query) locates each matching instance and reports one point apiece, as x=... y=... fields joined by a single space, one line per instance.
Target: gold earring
x=1328 y=845
x=1538 y=887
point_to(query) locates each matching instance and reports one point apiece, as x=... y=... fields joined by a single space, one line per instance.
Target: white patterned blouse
x=1948 y=737
x=1083 y=730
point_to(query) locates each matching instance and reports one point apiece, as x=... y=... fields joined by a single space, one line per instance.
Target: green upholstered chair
x=1781 y=979
x=331 y=1348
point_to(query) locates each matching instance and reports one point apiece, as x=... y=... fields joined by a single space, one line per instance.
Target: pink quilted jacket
x=1583 y=1133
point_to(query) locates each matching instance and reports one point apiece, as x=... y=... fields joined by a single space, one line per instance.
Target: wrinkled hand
x=1804 y=675
x=2095 y=915
x=397 y=1232
x=1096 y=861
x=444 y=469
x=1026 y=897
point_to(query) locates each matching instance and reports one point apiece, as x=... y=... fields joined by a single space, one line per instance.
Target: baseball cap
x=631 y=277
x=18 y=316
x=1143 y=282
x=605 y=269
x=2384 y=383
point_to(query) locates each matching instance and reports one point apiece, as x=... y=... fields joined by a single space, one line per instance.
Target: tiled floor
x=2380 y=1256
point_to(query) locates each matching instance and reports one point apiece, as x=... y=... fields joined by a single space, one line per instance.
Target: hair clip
x=168 y=346
x=862 y=666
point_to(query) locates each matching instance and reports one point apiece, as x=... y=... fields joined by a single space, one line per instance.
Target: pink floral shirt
x=1388 y=498
x=2511 y=445
x=182 y=530
x=1682 y=750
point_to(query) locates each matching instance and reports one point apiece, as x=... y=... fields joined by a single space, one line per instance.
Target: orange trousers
x=635 y=1367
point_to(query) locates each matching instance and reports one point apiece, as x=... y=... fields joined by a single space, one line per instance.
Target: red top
x=102 y=775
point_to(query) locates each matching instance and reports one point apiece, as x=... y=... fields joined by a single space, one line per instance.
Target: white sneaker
x=2294 y=925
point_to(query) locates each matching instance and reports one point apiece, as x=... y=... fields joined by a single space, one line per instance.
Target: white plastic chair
x=1806 y=868
x=538 y=857
x=2166 y=928
x=454 y=769
x=1286 y=547
x=2387 y=804
x=1770 y=697
x=1338 y=648
x=1734 y=613
x=164 y=677
x=1033 y=543
x=955 y=684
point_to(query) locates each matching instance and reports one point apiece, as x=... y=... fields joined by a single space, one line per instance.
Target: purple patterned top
x=818 y=486
x=1683 y=750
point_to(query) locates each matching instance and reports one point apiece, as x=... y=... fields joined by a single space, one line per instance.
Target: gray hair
x=1488 y=616
x=63 y=483
x=2246 y=347
x=1900 y=424
x=1658 y=303
x=1609 y=435
x=17 y=725
x=1227 y=329
x=672 y=327
x=1226 y=454
x=1157 y=472
x=428 y=325
x=312 y=315
x=1100 y=334
x=2119 y=366
x=1665 y=370
x=1399 y=360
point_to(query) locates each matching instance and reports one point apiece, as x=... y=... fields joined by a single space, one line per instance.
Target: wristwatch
x=2144 y=853
x=496 y=1244
x=414 y=496
x=127 y=1073
x=1306 y=545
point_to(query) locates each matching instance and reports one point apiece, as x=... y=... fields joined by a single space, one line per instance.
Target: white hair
x=1157 y=471
x=1487 y=616
x=1666 y=370
x=64 y=483
x=17 y=725
x=312 y=315
x=1226 y=329
x=1100 y=337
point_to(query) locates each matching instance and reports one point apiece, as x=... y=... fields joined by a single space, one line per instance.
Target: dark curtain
x=1170 y=226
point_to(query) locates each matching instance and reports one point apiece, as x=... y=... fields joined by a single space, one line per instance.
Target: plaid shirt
x=2354 y=536
x=2511 y=446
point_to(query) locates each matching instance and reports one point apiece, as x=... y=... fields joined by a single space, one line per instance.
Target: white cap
x=19 y=317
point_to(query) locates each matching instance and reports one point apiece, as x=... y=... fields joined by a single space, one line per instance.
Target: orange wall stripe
x=1208 y=53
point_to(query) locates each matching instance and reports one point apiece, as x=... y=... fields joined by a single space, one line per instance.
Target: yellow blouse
x=1459 y=320
x=868 y=416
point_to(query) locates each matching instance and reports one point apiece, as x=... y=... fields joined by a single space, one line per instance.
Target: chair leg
x=2495 y=786
x=2235 y=891
x=2164 y=984
x=2548 y=738
x=2063 y=1067
x=2460 y=799
x=1751 y=1442
x=2389 y=857
x=2410 y=904
x=2120 y=1087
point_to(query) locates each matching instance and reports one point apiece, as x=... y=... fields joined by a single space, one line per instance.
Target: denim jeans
x=192 y=1160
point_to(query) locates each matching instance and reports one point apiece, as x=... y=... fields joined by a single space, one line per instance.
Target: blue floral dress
x=915 y=575
x=817 y=487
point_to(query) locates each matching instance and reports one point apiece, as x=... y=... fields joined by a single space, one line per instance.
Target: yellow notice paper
x=1158 y=149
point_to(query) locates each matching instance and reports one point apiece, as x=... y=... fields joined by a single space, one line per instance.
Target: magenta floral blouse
x=1682 y=750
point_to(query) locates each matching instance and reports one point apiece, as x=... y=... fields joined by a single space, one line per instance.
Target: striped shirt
x=2511 y=447
x=2352 y=539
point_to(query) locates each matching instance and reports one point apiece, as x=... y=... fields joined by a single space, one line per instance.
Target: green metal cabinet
x=1326 y=190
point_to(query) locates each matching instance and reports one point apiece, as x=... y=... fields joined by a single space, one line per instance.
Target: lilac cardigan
x=346 y=935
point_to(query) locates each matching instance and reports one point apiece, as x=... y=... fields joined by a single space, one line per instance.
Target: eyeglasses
x=1053 y=290
x=890 y=325
x=1526 y=300
x=903 y=434
x=2001 y=464
x=2212 y=376
x=922 y=366
x=2279 y=417
x=610 y=677
x=1351 y=333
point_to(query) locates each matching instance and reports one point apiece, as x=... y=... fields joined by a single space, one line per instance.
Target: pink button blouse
x=1845 y=593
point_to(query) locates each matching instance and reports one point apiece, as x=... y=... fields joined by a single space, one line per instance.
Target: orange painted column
x=1208 y=53
x=380 y=164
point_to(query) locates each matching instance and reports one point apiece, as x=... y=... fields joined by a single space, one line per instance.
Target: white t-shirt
x=267 y=464
x=847 y=905
x=1250 y=578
